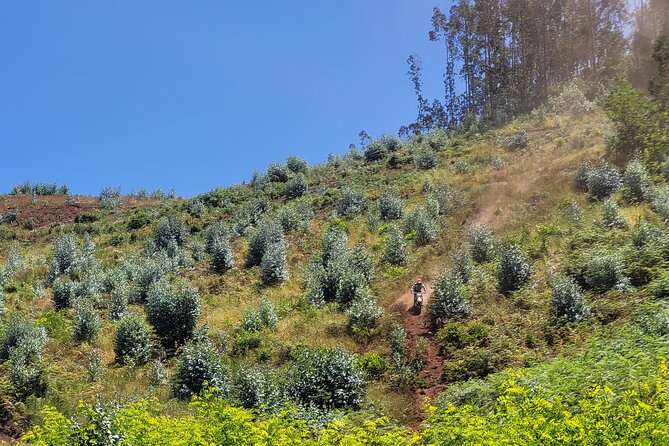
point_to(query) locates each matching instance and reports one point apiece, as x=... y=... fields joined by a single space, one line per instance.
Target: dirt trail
x=429 y=377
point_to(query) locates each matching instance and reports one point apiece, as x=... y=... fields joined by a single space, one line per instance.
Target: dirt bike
x=417 y=302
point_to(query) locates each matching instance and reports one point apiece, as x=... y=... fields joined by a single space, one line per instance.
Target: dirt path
x=429 y=377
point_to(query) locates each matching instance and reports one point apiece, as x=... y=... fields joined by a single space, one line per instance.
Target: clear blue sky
x=193 y=95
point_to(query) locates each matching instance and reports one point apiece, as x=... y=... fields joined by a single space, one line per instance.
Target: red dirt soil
x=429 y=377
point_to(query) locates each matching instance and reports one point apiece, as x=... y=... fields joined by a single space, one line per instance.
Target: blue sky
x=194 y=95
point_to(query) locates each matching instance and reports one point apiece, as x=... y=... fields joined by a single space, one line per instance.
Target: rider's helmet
x=418 y=280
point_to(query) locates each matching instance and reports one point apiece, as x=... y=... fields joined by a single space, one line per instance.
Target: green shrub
x=364 y=312
x=446 y=198
x=64 y=293
x=200 y=365
x=326 y=378
x=118 y=304
x=27 y=377
x=86 y=322
x=267 y=314
x=611 y=217
x=170 y=231
x=391 y=206
x=157 y=373
x=297 y=165
x=293 y=217
x=516 y=141
x=581 y=175
x=462 y=264
x=110 y=198
x=24 y=335
x=373 y=364
x=196 y=208
x=277 y=173
x=258 y=389
x=214 y=232
x=447 y=302
x=659 y=287
x=297 y=186
x=138 y=220
x=132 y=343
x=352 y=202
x=645 y=234
x=603 y=180
x=273 y=264
x=173 y=312
x=605 y=271
x=222 y=258
x=636 y=183
x=244 y=342
x=64 y=258
x=567 y=302
x=426 y=159
x=480 y=242
x=422 y=226
x=661 y=202
x=379 y=148
x=334 y=245
x=513 y=271
x=395 y=252
x=146 y=272
x=571 y=100
x=268 y=233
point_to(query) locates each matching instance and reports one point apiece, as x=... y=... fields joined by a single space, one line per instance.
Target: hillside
x=287 y=300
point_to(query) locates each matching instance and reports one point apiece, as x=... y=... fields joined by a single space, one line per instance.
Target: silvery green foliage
x=398 y=344
x=114 y=278
x=297 y=186
x=361 y=261
x=391 y=206
x=574 y=211
x=173 y=311
x=611 y=217
x=517 y=140
x=334 y=244
x=214 y=232
x=513 y=271
x=273 y=268
x=294 y=217
x=94 y=366
x=352 y=202
x=100 y=426
x=200 y=365
x=445 y=197
x=198 y=250
x=567 y=302
x=132 y=343
x=571 y=100
x=64 y=293
x=222 y=257
x=480 y=242
x=157 y=373
x=661 y=202
x=326 y=378
x=268 y=233
x=636 y=182
x=13 y=262
x=380 y=147
x=262 y=317
x=86 y=322
x=65 y=254
x=462 y=264
x=196 y=208
x=2 y=303
x=118 y=304
x=297 y=165
x=425 y=159
x=256 y=388
x=653 y=323
x=605 y=271
x=364 y=312
x=645 y=234
x=432 y=206
x=581 y=175
x=170 y=232
x=603 y=180
x=110 y=198
x=448 y=301
x=259 y=181
x=395 y=252
x=422 y=225
x=23 y=335
x=277 y=173
x=146 y=272
x=26 y=376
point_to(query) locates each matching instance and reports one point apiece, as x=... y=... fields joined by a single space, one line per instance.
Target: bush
x=200 y=365
x=277 y=173
x=132 y=343
x=603 y=180
x=567 y=302
x=86 y=322
x=396 y=249
x=294 y=217
x=373 y=365
x=257 y=389
x=214 y=233
x=426 y=159
x=518 y=140
x=571 y=100
x=513 y=271
x=64 y=258
x=611 y=217
x=119 y=303
x=196 y=208
x=27 y=377
x=297 y=165
x=480 y=242
x=605 y=271
x=379 y=148
x=24 y=335
x=645 y=234
x=422 y=226
x=326 y=378
x=445 y=197
x=173 y=312
x=170 y=231
x=581 y=176
x=447 y=302
x=139 y=220
x=334 y=244
x=157 y=373
x=661 y=202
x=273 y=264
x=391 y=206
x=462 y=265
x=636 y=182
x=147 y=272
x=352 y=202
x=263 y=317
x=110 y=198
x=364 y=312
x=268 y=233
x=64 y=293
x=222 y=258
x=297 y=186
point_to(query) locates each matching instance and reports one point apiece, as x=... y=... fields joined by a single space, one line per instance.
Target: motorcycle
x=417 y=302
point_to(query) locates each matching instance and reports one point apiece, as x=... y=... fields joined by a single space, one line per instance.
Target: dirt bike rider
x=418 y=289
